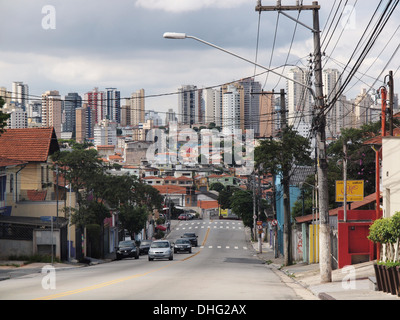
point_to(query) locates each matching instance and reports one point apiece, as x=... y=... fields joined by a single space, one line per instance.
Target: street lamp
x=179 y=35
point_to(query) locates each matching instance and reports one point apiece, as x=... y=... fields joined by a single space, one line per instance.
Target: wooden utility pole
x=320 y=121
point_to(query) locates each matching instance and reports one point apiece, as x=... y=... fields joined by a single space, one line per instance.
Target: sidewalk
x=353 y=283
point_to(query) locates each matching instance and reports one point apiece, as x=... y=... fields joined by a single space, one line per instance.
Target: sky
x=74 y=46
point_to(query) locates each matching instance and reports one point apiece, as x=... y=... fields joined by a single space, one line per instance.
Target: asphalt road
x=222 y=267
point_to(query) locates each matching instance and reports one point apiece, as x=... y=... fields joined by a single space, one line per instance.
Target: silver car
x=160 y=249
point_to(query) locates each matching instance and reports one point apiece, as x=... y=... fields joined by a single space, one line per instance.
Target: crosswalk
x=233 y=225
x=224 y=247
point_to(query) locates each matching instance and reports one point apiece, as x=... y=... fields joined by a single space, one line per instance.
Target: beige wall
x=390 y=176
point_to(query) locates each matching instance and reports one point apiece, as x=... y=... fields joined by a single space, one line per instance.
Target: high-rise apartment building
x=137 y=107
x=18 y=118
x=105 y=133
x=20 y=94
x=267 y=115
x=188 y=105
x=170 y=116
x=113 y=105
x=299 y=101
x=84 y=126
x=51 y=111
x=96 y=101
x=212 y=106
x=231 y=104
x=72 y=101
x=251 y=104
x=6 y=95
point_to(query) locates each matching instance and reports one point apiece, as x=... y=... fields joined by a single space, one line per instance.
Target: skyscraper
x=51 y=111
x=212 y=106
x=251 y=104
x=113 y=105
x=20 y=94
x=137 y=107
x=188 y=105
x=72 y=101
x=231 y=108
x=95 y=100
x=299 y=101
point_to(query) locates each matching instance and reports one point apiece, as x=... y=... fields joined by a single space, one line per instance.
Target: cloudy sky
x=74 y=46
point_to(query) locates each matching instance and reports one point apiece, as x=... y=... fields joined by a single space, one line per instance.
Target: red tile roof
x=6 y=162
x=31 y=144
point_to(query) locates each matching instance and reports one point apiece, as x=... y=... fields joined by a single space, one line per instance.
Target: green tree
x=242 y=205
x=3 y=116
x=133 y=218
x=278 y=157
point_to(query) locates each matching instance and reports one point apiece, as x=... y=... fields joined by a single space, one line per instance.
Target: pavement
x=356 y=282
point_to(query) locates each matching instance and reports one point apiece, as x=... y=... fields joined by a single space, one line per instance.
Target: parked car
x=127 y=248
x=160 y=249
x=144 y=246
x=192 y=237
x=182 y=245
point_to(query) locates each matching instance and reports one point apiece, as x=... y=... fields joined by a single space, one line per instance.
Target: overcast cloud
x=119 y=43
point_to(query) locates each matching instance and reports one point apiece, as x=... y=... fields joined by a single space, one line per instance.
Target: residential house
x=225 y=179
x=32 y=190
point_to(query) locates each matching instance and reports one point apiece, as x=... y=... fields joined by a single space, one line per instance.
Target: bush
x=386 y=231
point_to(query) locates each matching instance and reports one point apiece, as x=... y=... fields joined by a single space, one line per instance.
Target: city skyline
x=127 y=50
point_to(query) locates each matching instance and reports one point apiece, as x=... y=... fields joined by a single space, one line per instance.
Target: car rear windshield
x=126 y=243
x=182 y=241
x=160 y=244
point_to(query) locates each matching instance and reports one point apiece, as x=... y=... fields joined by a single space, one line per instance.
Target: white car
x=161 y=249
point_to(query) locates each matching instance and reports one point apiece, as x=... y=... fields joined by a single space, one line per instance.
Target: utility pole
x=391 y=102
x=320 y=121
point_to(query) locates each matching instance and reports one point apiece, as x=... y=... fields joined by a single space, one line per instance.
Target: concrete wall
x=15 y=248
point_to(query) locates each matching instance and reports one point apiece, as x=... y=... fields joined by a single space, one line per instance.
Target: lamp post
x=179 y=35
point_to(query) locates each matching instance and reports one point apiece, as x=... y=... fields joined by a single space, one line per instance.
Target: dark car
x=127 y=249
x=191 y=237
x=182 y=245
x=144 y=246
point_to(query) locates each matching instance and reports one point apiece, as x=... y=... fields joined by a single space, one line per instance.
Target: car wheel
x=150 y=259
x=137 y=256
x=190 y=250
x=171 y=257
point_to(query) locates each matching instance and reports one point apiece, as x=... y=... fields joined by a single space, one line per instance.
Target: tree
x=133 y=218
x=278 y=157
x=242 y=206
x=3 y=117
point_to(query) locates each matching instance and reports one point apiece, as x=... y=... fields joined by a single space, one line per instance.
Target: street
x=221 y=267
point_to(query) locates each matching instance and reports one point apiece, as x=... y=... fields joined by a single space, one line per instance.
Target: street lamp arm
x=175 y=35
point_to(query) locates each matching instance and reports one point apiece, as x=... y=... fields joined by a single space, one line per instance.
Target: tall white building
x=18 y=118
x=188 y=105
x=231 y=109
x=137 y=107
x=105 y=133
x=212 y=105
x=20 y=94
x=299 y=101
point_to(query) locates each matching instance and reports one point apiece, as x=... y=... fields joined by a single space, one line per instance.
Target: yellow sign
x=355 y=190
